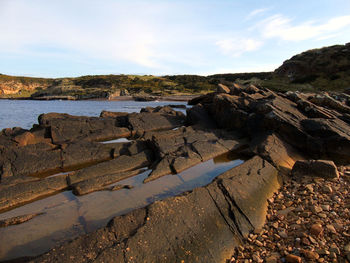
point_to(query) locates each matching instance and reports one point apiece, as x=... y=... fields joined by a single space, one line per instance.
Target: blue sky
x=61 y=38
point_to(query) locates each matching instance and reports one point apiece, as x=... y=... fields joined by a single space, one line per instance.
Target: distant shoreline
x=120 y=98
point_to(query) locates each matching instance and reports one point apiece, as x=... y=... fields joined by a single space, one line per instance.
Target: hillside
x=325 y=68
x=320 y=69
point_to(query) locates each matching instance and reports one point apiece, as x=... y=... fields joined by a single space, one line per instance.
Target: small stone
x=256 y=258
x=310 y=254
x=258 y=243
x=316 y=230
x=327 y=189
x=283 y=234
x=334 y=249
x=331 y=229
x=293 y=259
x=325 y=207
x=322 y=251
x=347 y=248
x=316 y=209
x=309 y=187
x=305 y=241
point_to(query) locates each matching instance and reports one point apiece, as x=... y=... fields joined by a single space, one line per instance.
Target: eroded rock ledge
x=204 y=225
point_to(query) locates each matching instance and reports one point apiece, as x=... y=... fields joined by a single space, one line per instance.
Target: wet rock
x=25 y=192
x=120 y=164
x=201 y=226
x=17 y=220
x=316 y=168
x=185 y=159
x=162 y=168
x=99 y=183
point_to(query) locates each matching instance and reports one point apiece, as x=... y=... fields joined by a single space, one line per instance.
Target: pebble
x=307 y=221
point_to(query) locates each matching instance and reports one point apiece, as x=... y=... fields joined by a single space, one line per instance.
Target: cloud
x=256 y=12
x=237 y=46
x=279 y=26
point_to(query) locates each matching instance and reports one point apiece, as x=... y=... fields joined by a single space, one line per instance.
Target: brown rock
x=293 y=259
x=316 y=230
x=318 y=168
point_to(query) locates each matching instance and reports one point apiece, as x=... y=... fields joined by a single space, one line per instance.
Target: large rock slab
x=120 y=164
x=19 y=194
x=203 y=225
x=65 y=128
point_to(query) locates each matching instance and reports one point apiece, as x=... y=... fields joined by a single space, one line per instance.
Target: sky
x=67 y=38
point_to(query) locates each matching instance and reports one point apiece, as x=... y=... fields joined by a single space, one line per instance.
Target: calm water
x=24 y=113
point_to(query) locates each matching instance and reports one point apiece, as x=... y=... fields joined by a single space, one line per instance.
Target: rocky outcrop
x=319 y=67
x=278 y=132
x=200 y=226
x=302 y=121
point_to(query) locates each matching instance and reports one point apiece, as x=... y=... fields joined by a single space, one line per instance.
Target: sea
x=24 y=113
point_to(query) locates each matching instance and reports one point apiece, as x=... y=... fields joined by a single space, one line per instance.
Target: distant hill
x=325 y=68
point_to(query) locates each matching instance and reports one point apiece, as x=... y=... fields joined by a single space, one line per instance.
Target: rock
x=197 y=115
x=184 y=160
x=162 y=168
x=331 y=229
x=312 y=255
x=222 y=89
x=199 y=224
x=65 y=128
x=28 y=191
x=112 y=114
x=316 y=230
x=99 y=183
x=317 y=168
x=293 y=259
x=208 y=150
x=141 y=122
x=120 y=164
x=17 y=220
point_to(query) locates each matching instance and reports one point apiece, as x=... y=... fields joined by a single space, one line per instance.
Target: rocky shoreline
x=270 y=130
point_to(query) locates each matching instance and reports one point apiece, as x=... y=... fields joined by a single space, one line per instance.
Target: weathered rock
x=28 y=191
x=185 y=159
x=317 y=168
x=198 y=226
x=112 y=114
x=197 y=115
x=82 y=153
x=35 y=159
x=141 y=122
x=273 y=149
x=222 y=89
x=120 y=164
x=162 y=168
x=99 y=183
x=65 y=128
x=17 y=220
x=208 y=150
x=290 y=258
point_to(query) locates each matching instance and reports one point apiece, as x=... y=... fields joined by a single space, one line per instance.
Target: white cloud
x=279 y=26
x=237 y=46
x=256 y=12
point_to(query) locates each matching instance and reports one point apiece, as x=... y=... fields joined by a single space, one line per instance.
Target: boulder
x=316 y=168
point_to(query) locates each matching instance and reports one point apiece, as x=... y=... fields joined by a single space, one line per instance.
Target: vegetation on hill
x=314 y=70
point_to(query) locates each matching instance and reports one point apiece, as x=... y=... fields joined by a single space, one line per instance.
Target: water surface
x=24 y=113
